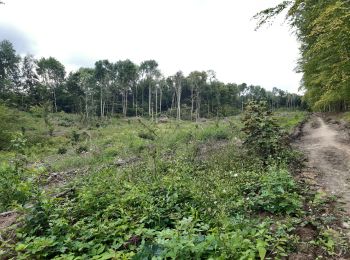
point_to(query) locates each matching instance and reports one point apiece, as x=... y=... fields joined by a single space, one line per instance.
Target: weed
x=62 y=150
x=82 y=149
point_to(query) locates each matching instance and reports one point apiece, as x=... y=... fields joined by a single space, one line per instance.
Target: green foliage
x=146 y=135
x=263 y=135
x=18 y=143
x=82 y=149
x=75 y=137
x=29 y=84
x=9 y=122
x=278 y=193
x=323 y=30
x=15 y=187
x=62 y=150
x=163 y=201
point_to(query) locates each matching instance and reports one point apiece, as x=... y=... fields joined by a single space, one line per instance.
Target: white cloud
x=179 y=34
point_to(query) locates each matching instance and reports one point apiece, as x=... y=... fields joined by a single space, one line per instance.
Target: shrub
x=262 y=135
x=62 y=150
x=18 y=143
x=146 y=135
x=277 y=193
x=82 y=149
x=9 y=121
x=15 y=188
x=75 y=137
x=37 y=111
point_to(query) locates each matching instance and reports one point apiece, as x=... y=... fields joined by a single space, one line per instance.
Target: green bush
x=82 y=149
x=263 y=136
x=277 y=193
x=9 y=124
x=62 y=150
x=75 y=137
x=15 y=187
x=146 y=135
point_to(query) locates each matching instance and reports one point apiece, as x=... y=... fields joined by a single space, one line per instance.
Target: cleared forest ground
x=134 y=189
x=328 y=151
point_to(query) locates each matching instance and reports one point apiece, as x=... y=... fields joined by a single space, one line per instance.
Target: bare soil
x=328 y=158
x=7 y=219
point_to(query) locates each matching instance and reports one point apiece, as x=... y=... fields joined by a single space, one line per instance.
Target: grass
x=192 y=192
x=288 y=120
x=344 y=116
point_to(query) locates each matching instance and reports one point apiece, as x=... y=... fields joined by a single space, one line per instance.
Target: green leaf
x=261 y=246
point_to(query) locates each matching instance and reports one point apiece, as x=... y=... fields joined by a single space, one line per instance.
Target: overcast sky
x=180 y=34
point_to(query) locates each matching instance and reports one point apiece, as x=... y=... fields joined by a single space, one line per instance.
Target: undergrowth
x=177 y=201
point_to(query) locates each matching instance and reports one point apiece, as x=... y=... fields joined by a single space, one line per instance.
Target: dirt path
x=328 y=157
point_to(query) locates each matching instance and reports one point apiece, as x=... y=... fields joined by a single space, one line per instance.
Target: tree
x=126 y=76
x=178 y=80
x=9 y=66
x=323 y=29
x=86 y=82
x=30 y=79
x=101 y=76
x=197 y=81
x=52 y=74
x=149 y=70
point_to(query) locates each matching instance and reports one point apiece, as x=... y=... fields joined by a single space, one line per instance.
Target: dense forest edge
x=125 y=88
x=323 y=30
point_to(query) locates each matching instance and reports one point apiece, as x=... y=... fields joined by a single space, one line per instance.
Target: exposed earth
x=327 y=149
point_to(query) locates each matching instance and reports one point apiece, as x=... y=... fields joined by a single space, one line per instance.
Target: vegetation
x=323 y=28
x=131 y=188
x=125 y=88
x=121 y=162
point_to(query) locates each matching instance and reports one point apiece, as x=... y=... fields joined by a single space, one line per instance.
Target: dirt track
x=328 y=158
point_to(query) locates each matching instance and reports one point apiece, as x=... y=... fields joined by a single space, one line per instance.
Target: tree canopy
x=323 y=29
x=125 y=88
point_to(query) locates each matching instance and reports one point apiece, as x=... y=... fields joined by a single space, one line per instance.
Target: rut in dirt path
x=328 y=158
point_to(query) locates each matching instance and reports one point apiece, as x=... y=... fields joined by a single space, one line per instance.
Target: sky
x=182 y=35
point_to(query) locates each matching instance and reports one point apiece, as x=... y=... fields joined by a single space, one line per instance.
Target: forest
x=119 y=161
x=125 y=88
x=323 y=30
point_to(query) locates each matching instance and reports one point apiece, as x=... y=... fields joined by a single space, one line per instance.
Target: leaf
x=261 y=246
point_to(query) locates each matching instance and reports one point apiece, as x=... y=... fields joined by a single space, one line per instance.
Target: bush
x=263 y=136
x=62 y=150
x=37 y=111
x=82 y=149
x=75 y=137
x=146 y=135
x=15 y=188
x=277 y=193
x=8 y=125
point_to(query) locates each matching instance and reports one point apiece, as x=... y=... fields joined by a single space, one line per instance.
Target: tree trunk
x=160 y=101
x=149 y=99
x=136 y=100
x=156 y=104
x=101 y=101
x=192 y=103
x=142 y=100
x=179 y=103
x=54 y=98
x=197 y=105
x=126 y=102
x=86 y=106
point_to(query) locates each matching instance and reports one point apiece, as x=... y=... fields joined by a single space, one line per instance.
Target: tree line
x=125 y=88
x=323 y=29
